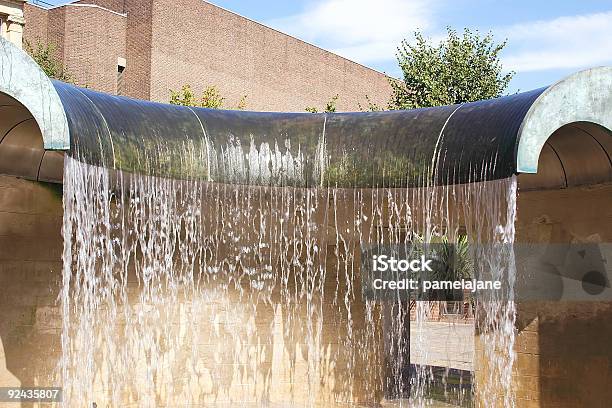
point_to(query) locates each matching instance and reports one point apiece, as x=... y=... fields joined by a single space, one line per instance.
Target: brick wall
x=241 y=57
x=47 y=26
x=115 y=5
x=169 y=43
x=56 y=30
x=94 y=39
x=138 y=47
x=36 y=24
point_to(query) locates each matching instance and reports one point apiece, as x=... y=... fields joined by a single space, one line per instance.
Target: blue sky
x=546 y=39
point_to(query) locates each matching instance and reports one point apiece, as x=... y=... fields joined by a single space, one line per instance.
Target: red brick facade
x=169 y=43
x=89 y=41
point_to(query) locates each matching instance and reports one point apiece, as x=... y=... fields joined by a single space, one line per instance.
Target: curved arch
x=576 y=154
x=22 y=153
x=584 y=97
x=23 y=80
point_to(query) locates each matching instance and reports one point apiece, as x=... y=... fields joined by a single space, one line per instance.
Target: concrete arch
x=583 y=99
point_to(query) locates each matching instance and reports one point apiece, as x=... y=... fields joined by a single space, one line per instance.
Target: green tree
x=371 y=106
x=242 y=103
x=329 y=107
x=184 y=97
x=211 y=98
x=459 y=69
x=44 y=55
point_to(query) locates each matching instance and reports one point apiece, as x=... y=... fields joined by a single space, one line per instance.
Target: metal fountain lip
x=492 y=128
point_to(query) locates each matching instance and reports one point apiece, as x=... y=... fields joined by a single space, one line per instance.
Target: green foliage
x=242 y=103
x=44 y=55
x=460 y=69
x=211 y=97
x=329 y=107
x=184 y=97
x=456 y=258
x=371 y=106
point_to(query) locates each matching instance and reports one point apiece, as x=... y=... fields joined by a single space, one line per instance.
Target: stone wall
x=564 y=353
x=564 y=358
x=12 y=21
x=30 y=273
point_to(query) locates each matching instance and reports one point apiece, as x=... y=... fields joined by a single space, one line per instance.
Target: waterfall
x=202 y=292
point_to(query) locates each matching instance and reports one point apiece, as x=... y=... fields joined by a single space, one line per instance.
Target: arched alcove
x=22 y=152
x=576 y=154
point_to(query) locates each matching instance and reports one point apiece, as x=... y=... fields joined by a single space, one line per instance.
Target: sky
x=546 y=40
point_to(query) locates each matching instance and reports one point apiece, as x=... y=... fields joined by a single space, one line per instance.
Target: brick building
x=144 y=48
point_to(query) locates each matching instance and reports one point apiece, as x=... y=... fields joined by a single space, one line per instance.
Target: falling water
x=193 y=292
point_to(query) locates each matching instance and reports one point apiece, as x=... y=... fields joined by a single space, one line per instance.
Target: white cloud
x=362 y=30
x=369 y=31
x=560 y=43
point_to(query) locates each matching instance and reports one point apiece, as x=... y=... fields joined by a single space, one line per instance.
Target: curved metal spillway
x=477 y=141
x=452 y=144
